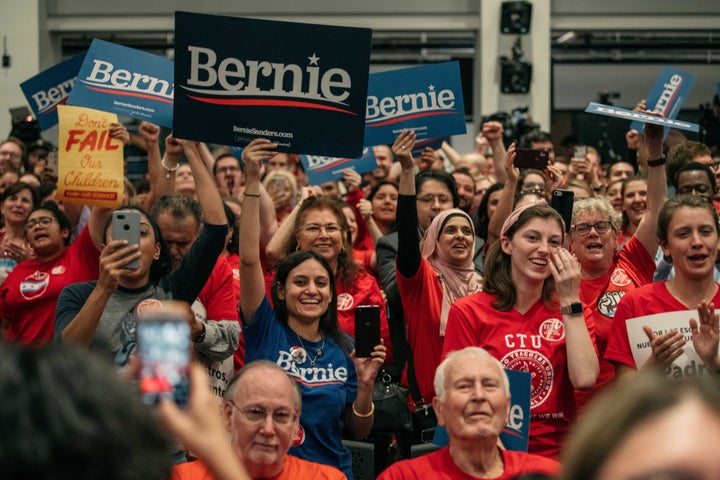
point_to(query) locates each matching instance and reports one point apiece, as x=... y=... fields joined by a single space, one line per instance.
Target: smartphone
x=126 y=226
x=562 y=202
x=367 y=329
x=163 y=338
x=531 y=158
x=580 y=151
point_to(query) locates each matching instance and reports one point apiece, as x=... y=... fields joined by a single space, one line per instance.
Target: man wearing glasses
x=12 y=152
x=261 y=411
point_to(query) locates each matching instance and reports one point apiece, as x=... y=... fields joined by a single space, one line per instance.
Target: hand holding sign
x=706 y=335
x=254 y=154
x=653 y=137
x=402 y=148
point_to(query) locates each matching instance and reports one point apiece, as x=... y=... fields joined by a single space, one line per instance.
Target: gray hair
x=597 y=204
x=297 y=397
x=476 y=352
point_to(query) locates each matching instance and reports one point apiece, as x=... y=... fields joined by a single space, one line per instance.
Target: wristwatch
x=199 y=336
x=574 y=308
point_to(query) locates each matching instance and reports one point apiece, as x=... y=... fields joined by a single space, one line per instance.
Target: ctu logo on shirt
x=345 y=301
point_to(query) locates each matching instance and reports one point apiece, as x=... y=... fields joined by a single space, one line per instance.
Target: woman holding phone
x=101 y=314
x=301 y=334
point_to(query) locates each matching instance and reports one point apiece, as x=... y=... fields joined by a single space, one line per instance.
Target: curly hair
x=347 y=269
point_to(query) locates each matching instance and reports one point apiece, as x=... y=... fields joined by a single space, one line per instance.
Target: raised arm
x=493 y=132
x=207 y=192
x=408 y=257
x=251 y=275
x=164 y=182
x=507 y=198
x=657 y=187
x=150 y=133
x=275 y=248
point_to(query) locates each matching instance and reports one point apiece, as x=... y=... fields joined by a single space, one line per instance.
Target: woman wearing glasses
x=29 y=294
x=609 y=273
x=301 y=332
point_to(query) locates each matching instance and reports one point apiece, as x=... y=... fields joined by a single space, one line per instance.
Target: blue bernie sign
x=427 y=99
x=321 y=169
x=122 y=80
x=668 y=94
x=50 y=88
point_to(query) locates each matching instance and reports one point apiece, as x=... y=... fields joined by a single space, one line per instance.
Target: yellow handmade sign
x=90 y=169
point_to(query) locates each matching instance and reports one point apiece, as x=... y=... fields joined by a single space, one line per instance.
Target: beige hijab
x=456 y=281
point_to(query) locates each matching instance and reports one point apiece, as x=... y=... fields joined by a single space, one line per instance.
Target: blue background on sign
x=414 y=80
x=314 y=129
x=515 y=435
x=152 y=107
x=678 y=97
x=327 y=169
x=45 y=113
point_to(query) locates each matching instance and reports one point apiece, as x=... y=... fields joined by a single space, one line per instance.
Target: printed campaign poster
x=687 y=364
x=668 y=94
x=321 y=169
x=516 y=434
x=421 y=145
x=118 y=79
x=90 y=160
x=302 y=86
x=427 y=99
x=50 y=88
x=617 y=112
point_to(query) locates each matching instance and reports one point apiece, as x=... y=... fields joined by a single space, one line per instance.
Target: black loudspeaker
x=515 y=17
x=515 y=76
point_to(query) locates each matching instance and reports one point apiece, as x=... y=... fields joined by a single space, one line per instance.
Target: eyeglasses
x=10 y=153
x=314 y=228
x=700 y=189
x=433 y=198
x=583 y=229
x=42 y=221
x=533 y=186
x=258 y=415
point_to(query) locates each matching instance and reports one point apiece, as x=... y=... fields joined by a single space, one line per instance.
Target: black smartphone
x=562 y=202
x=367 y=329
x=163 y=338
x=126 y=226
x=531 y=158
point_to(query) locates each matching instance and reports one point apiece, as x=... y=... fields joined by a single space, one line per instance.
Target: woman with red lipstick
x=688 y=234
x=530 y=318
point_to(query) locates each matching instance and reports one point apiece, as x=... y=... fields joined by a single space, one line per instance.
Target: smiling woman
x=16 y=203
x=529 y=317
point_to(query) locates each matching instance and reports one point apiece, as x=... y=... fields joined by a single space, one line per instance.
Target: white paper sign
x=689 y=363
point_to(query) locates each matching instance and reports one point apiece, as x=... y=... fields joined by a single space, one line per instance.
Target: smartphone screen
x=163 y=338
x=562 y=202
x=367 y=329
x=126 y=226
x=531 y=158
x=580 y=151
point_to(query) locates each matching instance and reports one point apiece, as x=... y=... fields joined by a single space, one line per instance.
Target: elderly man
x=261 y=411
x=473 y=403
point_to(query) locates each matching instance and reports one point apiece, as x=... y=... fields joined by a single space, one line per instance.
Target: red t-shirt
x=293 y=468
x=29 y=294
x=648 y=300
x=439 y=465
x=633 y=268
x=422 y=302
x=534 y=343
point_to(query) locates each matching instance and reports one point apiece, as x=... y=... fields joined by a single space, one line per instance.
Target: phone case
x=126 y=226
x=164 y=345
x=562 y=202
x=531 y=158
x=367 y=329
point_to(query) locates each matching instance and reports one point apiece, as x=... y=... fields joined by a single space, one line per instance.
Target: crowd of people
x=473 y=273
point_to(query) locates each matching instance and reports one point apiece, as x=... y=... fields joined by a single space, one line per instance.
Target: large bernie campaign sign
x=119 y=79
x=302 y=86
x=427 y=99
x=668 y=94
